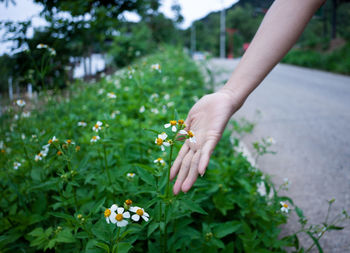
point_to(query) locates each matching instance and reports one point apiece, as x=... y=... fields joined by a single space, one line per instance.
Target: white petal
x=112 y=217
x=114 y=207
x=145 y=214
x=99 y=123
x=173 y=129
x=134 y=209
x=155 y=161
x=162 y=136
x=183 y=132
x=167 y=125
x=122 y=223
x=107 y=219
x=193 y=140
x=166 y=144
x=120 y=210
x=135 y=217
x=126 y=215
x=161 y=147
x=145 y=218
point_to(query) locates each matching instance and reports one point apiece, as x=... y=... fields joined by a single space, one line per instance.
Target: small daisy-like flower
x=82 y=123
x=159 y=160
x=271 y=141
x=130 y=175
x=155 y=110
x=120 y=217
x=52 y=51
x=38 y=157
x=189 y=134
x=160 y=141
x=41 y=45
x=113 y=115
x=153 y=96
x=285 y=208
x=166 y=96
x=142 y=109
x=20 y=102
x=171 y=124
x=109 y=212
x=95 y=138
x=111 y=95
x=97 y=126
x=52 y=140
x=16 y=165
x=139 y=212
x=25 y=114
x=70 y=142
x=156 y=67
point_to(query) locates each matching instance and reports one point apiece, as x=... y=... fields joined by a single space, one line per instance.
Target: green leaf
x=332 y=227
x=122 y=247
x=146 y=176
x=65 y=236
x=152 y=227
x=97 y=207
x=223 y=229
x=187 y=204
x=103 y=246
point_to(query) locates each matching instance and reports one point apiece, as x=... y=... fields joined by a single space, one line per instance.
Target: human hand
x=207 y=120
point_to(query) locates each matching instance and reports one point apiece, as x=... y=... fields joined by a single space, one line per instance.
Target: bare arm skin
x=280 y=29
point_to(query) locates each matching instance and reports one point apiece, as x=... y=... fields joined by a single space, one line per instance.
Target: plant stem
x=106 y=165
x=118 y=233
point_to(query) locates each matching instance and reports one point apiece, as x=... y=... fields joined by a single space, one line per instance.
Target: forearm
x=280 y=29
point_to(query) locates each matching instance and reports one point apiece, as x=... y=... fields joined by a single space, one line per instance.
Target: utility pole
x=222 y=32
x=193 y=39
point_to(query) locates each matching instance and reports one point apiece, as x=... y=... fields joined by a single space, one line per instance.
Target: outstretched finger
x=177 y=163
x=185 y=166
x=205 y=156
x=193 y=173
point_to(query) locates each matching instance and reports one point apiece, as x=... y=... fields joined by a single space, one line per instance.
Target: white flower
x=120 y=217
x=271 y=141
x=114 y=114
x=108 y=213
x=160 y=141
x=69 y=142
x=155 y=110
x=95 y=138
x=41 y=45
x=53 y=139
x=25 y=114
x=126 y=88
x=159 y=160
x=117 y=84
x=170 y=104
x=139 y=212
x=23 y=136
x=38 y=157
x=156 y=67
x=172 y=124
x=52 y=51
x=100 y=91
x=97 y=126
x=142 y=109
x=190 y=135
x=82 y=123
x=20 y=102
x=285 y=208
x=2 y=144
x=153 y=96
x=130 y=175
x=16 y=165
x=111 y=95
x=166 y=96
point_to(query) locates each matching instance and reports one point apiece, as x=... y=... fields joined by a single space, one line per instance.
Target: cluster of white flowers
x=119 y=215
x=44 y=46
x=156 y=67
x=82 y=124
x=16 y=165
x=111 y=95
x=21 y=102
x=97 y=127
x=45 y=149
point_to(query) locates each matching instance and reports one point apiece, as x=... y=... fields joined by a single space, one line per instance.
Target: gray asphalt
x=307 y=112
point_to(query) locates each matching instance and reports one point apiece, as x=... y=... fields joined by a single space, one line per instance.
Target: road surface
x=307 y=112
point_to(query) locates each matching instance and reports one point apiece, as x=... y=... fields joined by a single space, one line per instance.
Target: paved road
x=308 y=113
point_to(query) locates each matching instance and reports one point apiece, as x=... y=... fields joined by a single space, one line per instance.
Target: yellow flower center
x=50 y=141
x=96 y=126
x=59 y=152
x=119 y=217
x=131 y=174
x=181 y=121
x=3 y=151
x=94 y=138
x=285 y=205
x=139 y=212
x=69 y=141
x=159 y=141
x=77 y=148
x=173 y=122
x=128 y=202
x=107 y=213
x=190 y=134
x=159 y=159
x=40 y=154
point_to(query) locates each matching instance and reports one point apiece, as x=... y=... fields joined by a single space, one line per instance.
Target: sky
x=190 y=9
